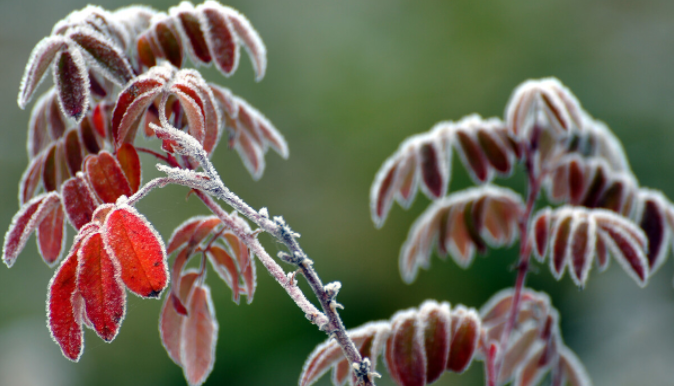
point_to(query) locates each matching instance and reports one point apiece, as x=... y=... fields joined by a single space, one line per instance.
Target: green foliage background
x=347 y=81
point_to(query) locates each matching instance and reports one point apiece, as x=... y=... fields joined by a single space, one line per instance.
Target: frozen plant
x=115 y=74
x=121 y=72
x=603 y=212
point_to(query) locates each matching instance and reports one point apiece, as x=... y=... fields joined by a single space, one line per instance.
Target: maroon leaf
x=146 y=48
x=381 y=194
x=629 y=254
x=42 y=56
x=88 y=137
x=130 y=163
x=560 y=244
x=30 y=181
x=495 y=151
x=582 y=248
x=72 y=83
x=541 y=233
x=198 y=336
x=465 y=336
x=24 y=222
x=226 y=267
x=131 y=103
x=652 y=219
x=193 y=231
x=246 y=264
x=64 y=323
x=436 y=323
x=595 y=188
x=433 y=171
x=250 y=39
x=51 y=235
x=78 y=201
x=219 y=37
x=99 y=284
x=169 y=41
x=73 y=151
x=50 y=170
x=576 y=181
x=105 y=54
x=472 y=157
x=405 y=354
x=106 y=177
x=139 y=249
x=191 y=27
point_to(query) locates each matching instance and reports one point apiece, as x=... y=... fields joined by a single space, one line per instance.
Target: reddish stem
x=169 y=159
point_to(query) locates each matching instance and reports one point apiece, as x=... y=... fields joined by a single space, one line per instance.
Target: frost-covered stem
x=533 y=190
x=272 y=267
x=209 y=182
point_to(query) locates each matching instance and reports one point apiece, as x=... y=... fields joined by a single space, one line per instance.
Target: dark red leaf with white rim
x=88 y=137
x=104 y=53
x=191 y=27
x=652 y=220
x=582 y=248
x=132 y=102
x=130 y=164
x=132 y=240
x=226 y=267
x=24 y=222
x=64 y=323
x=73 y=151
x=106 y=177
x=40 y=59
x=78 y=201
x=169 y=41
x=405 y=354
x=541 y=233
x=219 y=37
x=436 y=323
x=472 y=157
x=199 y=335
x=465 y=337
x=250 y=39
x=560 y=244
x=433 y=170
x=72 y=83
x=100 y=286
x=51 y=235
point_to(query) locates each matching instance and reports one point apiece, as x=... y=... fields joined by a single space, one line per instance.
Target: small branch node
x=264 y=212
x=363 y=371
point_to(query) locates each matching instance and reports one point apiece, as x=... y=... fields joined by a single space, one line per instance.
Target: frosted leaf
x=25 y=222
x=104 y=54
x=198 y=336
x=72 y=83
x=40 y=59
x=250 y=39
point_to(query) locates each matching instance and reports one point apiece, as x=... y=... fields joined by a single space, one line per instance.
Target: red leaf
x=381 y=194
x=251 y=40
x=559 y=244
x=99 y=120
x=144 y=47
x=30 y=181
x=49 y=170
x=42 y=56
x=576 y=181
x=130 y=163
x=139 y=250
x=24 y=223
x=251 y=154
x=198 y=336
x=436 y=323
x=72 y=83
x=171 y=320
x=191 y=26
x=405 y=355
x=654 y=224
x=465 y=336
x=64 y=323
x=472 y=157
x=88 y=137
x=38 y=134
x=105 y=54
x=225 y=266
x=106 y=177
x=73 y=152
x=541 y=233
x=98 y=282
x=78 y=201
x=432 y=164
x=193 y=231
x=582 y=248
x=51 y=235
x=219 y=37
x=131 y=103
x=193 y=108
x=595 y=188
x=495 y=151
x=625 y=249
x=246 y=264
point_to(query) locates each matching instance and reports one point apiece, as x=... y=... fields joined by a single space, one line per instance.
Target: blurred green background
x=347 y=81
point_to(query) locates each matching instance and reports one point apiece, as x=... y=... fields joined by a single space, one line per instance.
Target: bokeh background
x=347 y=81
